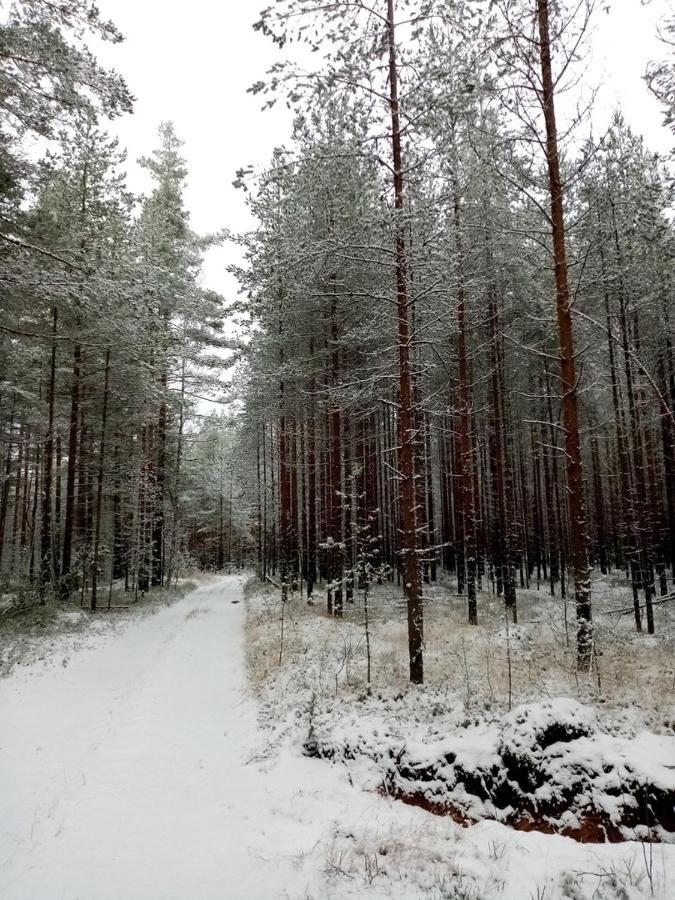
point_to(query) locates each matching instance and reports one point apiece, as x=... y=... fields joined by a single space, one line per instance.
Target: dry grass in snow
x=491 y=666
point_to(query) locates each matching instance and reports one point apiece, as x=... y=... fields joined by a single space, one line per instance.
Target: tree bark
x=46 y=537
x=406 y=461
x=99 y=486
x=575 y=487
x=69 y=518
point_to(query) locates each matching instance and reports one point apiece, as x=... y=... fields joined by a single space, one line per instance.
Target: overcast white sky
x=193 y=61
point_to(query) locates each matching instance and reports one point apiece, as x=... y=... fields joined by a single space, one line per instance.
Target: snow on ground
x=140 y=770
x=632 y=687
x=415 y=740
x=52 y=633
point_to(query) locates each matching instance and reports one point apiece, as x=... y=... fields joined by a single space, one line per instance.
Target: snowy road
x=125 y=774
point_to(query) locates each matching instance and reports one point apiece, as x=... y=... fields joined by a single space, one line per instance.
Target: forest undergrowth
x=504 y=727
x=633 y=678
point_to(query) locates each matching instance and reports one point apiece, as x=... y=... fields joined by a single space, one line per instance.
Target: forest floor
x=141 y=764
x=504 y=731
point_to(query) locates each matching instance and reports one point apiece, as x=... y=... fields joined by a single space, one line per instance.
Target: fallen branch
x=630 y=609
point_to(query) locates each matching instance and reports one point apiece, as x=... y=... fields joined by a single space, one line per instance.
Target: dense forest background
x=109 y=343
x=457 y=311
x=461 y=357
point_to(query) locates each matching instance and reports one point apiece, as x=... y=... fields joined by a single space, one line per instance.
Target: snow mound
x=536 y=726
x=545 y=766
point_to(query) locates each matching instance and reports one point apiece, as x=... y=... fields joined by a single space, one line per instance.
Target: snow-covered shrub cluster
x=544 y=766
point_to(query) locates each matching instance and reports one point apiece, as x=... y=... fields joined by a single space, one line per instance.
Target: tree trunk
x=4 y=493
x=413 y=587
x=160 y=486
x=464 y=456
x=99 y=485
x=69 y=518
x=575 y=487
x=46 y=538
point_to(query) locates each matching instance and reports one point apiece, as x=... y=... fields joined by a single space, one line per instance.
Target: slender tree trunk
x=99 y=486
x=220 y=559
x=501 y=558
x=265 y=546
x=56 y=527
x=284 y=498
x=259 y=531
x=311 y=501
x=26 y=495
x=159 y=516
x=598 y=492
x=406 y=465
x=177 y=505
x=575 y=487
x=293 y=538
x=465 y=455
x=69 y=519
x=16 y=515
x=336 y=499
x=229 y=522
x=668 y=441
x=46 y=537
x=32 y=526
x=4 y=493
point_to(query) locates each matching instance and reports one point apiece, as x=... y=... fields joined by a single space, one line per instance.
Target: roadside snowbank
x=545 y=766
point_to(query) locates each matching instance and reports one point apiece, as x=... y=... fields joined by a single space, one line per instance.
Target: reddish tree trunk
x=575 y=487
x=406 y=461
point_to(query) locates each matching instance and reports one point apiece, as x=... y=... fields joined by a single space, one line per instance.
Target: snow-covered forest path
x=128 y=773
